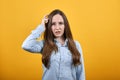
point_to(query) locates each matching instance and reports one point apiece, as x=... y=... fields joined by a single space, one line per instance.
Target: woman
x=61 y=56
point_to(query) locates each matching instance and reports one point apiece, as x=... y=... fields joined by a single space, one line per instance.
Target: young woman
x=61 y=56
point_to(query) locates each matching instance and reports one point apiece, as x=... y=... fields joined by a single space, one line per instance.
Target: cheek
x=52 y=28
x=63 y=28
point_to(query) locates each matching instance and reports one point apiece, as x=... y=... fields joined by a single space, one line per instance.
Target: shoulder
x=77 y=43
x=78 y=46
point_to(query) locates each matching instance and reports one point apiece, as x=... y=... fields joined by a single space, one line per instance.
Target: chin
x=57 y=36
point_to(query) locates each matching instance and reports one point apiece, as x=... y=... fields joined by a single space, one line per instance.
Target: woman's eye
x=61 y=23
x=53 y=23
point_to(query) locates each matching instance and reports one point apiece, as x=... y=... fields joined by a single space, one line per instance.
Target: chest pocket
x=67 y=57
x=55 y=57
x=63 y=56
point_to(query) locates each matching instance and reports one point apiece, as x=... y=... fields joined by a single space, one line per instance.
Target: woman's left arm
x=80 y=69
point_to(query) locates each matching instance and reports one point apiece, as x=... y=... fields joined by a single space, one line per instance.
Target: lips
x=57 y=32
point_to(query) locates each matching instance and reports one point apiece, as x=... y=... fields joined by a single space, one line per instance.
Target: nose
x=57 y=26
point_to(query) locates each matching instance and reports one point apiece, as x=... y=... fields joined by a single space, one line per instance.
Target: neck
x=61 y=40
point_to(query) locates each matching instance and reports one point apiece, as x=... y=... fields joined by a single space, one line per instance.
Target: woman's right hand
x=44 y=20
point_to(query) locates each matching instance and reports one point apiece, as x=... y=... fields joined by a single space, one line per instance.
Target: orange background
x=94 y=23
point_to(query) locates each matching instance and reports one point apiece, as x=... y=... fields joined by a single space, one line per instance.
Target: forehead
x=57 y=18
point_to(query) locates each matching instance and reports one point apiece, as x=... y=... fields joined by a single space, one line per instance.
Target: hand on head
x=45 y=20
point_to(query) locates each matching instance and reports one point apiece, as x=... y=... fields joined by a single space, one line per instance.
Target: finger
x=46 y=16
x=46 y=20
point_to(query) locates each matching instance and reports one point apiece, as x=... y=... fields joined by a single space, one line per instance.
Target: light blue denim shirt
x=61 y=67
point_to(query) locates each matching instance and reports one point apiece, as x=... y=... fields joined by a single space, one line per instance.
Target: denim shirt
x=61 y=67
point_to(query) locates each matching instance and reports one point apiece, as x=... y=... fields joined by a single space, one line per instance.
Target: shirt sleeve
x=80 y=70
x=31 y=44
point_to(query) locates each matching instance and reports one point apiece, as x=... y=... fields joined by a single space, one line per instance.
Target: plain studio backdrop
x=94 y=23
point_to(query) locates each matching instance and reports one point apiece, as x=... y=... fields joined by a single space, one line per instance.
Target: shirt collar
x=59 y=44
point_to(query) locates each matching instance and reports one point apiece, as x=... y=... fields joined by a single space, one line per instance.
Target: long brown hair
x=49 y=44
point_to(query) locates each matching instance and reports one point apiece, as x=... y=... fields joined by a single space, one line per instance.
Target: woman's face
x=57 y=26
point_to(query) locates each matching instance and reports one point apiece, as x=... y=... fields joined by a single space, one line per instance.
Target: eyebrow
x=59 y=22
